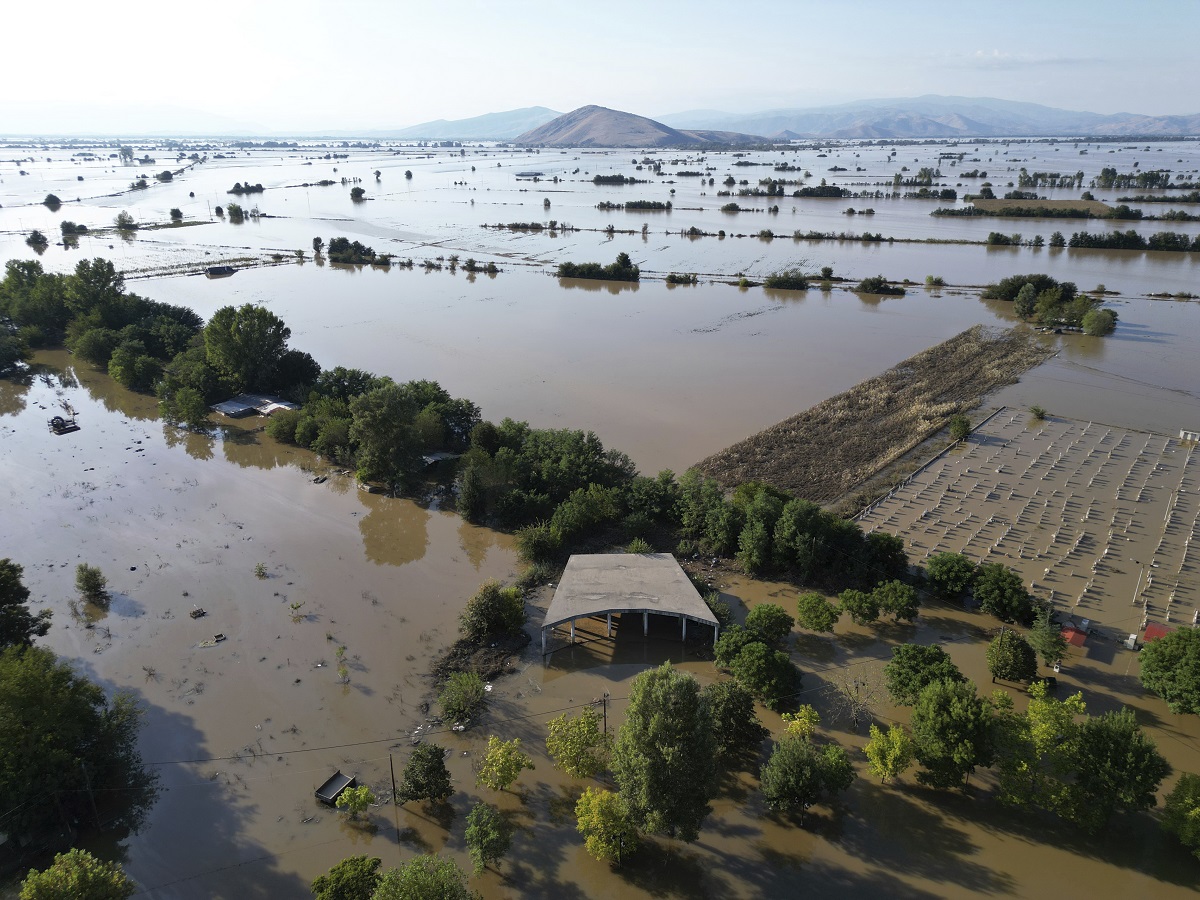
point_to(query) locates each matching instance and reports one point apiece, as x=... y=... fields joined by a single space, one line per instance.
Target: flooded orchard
x=243 y=730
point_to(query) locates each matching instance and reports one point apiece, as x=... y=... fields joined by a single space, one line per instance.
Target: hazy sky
x=278 y=65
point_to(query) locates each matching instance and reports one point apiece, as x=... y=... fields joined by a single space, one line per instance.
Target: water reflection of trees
x=394 y=532
x=475 y=542
x=595 y=286
x=196 y=444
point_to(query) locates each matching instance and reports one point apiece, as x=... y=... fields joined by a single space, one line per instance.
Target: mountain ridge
x=599 y=126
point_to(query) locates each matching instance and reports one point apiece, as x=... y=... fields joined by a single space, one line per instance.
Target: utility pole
x=88 y=782
x=392 y=766
x=604 y=700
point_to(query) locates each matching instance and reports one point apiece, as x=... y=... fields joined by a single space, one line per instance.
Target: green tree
x=1117 y=768
x=1181 y=813
x=1099 y=321
x=59 y=729
x=425 y=877
x=355 y=801
x=246 y=344
x=489 y=835
x=950 y=574
x=770 y=622
x=493 y=610
x=912 y=667
x=735 y=726
x=176 y=214
x=317 y=244
x=1046 y=639
x=889 y=753
x=425 y=775
x=816 y=613
x=1170 y=666
x=664 y=759
x=18 y=626
x=799 y=774
x=1010 y=658
x=354 y=878
x=91 y=584
x=862 y=608
x=577 y=745
x=951 y=731
x=462 y=696
x=1026 y=300
x=77 y=875
x=732 y=641
x=381 y=427
x=999 y=592
x=767 y=673
x=897 y=599
x=960 y=427
x=125 y=222
x=1036 y=752
x=604 y=820
x=502 y=764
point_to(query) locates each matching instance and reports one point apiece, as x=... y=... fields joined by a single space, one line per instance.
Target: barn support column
x=609 y=617
x=683 y=619
x=572 y=631
x=645 y=624
x=543 y=641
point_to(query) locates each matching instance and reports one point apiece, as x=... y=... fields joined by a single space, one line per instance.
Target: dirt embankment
x=823 y=452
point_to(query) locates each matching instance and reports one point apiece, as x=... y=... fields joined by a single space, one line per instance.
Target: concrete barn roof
x=594 y=584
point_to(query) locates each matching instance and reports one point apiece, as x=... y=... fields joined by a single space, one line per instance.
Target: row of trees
x=622 y=269
x=1052 y=757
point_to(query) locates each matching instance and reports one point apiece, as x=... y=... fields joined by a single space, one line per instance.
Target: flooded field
x=1097 y=519
x=243 y=731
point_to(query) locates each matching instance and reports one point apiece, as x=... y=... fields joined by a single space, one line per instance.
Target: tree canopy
x=664 y=759
x=57 y=728
x=246 y=344
x=799 y=774
x=1170 y=666
x=951 y=731
x=603 y=818
x=354 y=878
x=577 y=745
x=1010 y=658
x=425 y=775
x=77 y=875
x=425 y=877
x=913 y=666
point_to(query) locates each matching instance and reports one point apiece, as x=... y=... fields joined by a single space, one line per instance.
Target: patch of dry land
x=839 y=443
x=1098 y=519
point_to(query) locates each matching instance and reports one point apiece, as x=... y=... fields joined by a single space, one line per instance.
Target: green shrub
x=493 y=610
x=462 y=697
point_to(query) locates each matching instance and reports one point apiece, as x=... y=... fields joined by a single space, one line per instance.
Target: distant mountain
x=500 y=126
x=598 y=126
x=933 y=116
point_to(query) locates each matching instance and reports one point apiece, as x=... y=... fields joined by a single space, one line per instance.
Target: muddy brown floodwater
x=242 y=731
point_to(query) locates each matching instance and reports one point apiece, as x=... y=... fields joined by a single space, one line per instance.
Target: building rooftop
x=594 y=584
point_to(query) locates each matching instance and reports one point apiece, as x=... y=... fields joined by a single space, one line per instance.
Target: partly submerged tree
x=77 y=875
x=425 y=877
x=1170 y=666
x=489 y=835
x=889 y=753
x=603 y=818
x=577 y=745
x=425 y=775
x=502 y=764
x=951 y=731
x=799 y=774
x=664 y=759
x=59 y=729
x=1010 y=658
x=354 y=878
x=1181 y=813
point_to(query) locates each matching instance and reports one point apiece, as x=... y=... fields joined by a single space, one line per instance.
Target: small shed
x=1186 y=434
x=1074 y=636
x=1154 y=631
x=335 y=785
x=601 y=584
